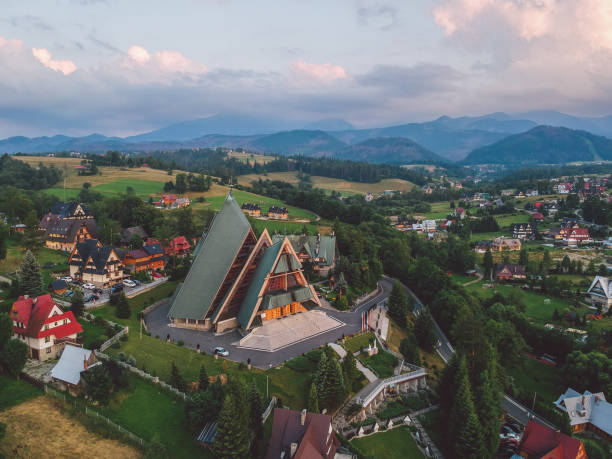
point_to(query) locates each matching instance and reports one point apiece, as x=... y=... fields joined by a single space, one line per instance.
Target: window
x=48 y=350
x=47 y=339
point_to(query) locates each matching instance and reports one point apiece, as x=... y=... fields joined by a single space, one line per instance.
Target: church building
x=238 y=280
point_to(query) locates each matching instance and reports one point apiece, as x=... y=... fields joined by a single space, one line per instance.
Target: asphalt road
x=158 y=324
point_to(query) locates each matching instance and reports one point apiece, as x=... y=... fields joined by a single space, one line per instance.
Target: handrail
x=392 y=380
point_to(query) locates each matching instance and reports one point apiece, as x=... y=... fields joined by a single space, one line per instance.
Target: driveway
x=158 y=324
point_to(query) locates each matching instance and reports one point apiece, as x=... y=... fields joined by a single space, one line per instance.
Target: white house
x=600 y=293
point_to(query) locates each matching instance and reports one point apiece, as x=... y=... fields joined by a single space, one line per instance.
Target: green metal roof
x=324 y=248
x=277 y=300
x=302 y=294
x=212 y=262
x=327 y=249
x=264 y=267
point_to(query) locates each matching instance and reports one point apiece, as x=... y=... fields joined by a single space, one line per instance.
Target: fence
x=92 y=413
x=144 y=375
x=108 y=343
x=272 y=404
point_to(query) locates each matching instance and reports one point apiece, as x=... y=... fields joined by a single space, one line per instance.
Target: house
x=369 y=197
x=168 y=199
x=149 y=258
x=429 y=226
x=542 y=442
x=18 y=228
x=302 y=435
x=73 y=362
x=587 y=412
x=600 y=292
x=427 y=189
x=64 y=211
x=279 y=213
x=128 y=233
x=563 y=188
x=251 y=209
x=538 y=216
x=90 y=261
x=179 y=247
x=524 y=230
x=508 y=271
x=482 y=246
x=58 y=286
x=43 y=326
x=237 y=280
x=319 y=250
x=64 y=234
x=180 y=203
x=460 y=212
x=503 y=244
x=575 y=236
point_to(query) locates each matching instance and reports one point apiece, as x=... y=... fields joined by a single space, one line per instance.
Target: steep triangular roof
x=212 y=262
x=603 y=283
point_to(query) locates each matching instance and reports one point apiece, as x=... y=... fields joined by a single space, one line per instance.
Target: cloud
x=409 y=81
x=382 y=16
x=324 y=73
x=44 y=57
x=166 y=61
x=139 y=54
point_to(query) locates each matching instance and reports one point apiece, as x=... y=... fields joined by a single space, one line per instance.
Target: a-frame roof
x=604 y=284
x=212 y=262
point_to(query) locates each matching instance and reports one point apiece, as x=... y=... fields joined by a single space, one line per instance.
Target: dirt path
x=38 y=428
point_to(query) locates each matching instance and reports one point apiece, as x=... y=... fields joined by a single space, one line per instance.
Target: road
x=158 y=324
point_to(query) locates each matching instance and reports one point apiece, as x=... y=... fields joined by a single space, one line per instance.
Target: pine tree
x=176 y=380
x=232 y=439
x=76 y=303
x=256 y=406
x=30 y=280
x=321 y=379
x=335 y=380
x=487 y=264
x=446 y=386
x=424 y=331
x=486 y=399
x=349 y=370
x=523 y=257
x=398 y=304
x=203 y=379
x=313 y=399
x=123 y=310
x=469 y=440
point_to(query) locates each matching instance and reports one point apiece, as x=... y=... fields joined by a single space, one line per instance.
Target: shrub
x=301 y=364
x=116 y=345
x=131 y=360
x=180 y=343
x=121 y=356
x=314 y=355
x=124 y=338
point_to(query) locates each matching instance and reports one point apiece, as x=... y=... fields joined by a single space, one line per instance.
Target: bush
x=131 y=361
x=314 y=355
x=382 y=363
x=121 y=356
x=180 y=343
x=116 y=345
x=124 y=338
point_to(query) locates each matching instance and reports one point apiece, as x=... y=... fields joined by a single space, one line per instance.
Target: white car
x=89 y=286
x=129 y=283
x=221 y=351
x=66 y=278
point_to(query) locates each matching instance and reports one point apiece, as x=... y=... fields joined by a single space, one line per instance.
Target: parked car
x=157 y=275
x=129 y=283
x=505 y=436
x=68 y=293
x=89 y=286
x=66 y=278
x=117 y=288
x=508 y=429
x=221 y=351
x=89 y=298
x=98 y=291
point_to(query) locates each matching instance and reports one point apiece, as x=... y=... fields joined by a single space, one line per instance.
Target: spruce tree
x=487 y=264
x=30 y=280
x=313 y=399
x=446 y=386
x=321 y=379
x=123 y=310
x=398 y=304
x=488 y=407
x=176 y=380
x=232 y=439
x=335 y=380
x=349 y=370
x=257 y=407
x=203 y=379
x=76 y=303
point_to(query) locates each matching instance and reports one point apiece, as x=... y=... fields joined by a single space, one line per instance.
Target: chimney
x=85 y=363
x=293 y=449
x=303 y=417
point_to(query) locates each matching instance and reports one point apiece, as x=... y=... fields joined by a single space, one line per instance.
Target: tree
x=4 y=233
x=398 y=304
x=13 y=356
x=123 y=310
x=29 y=275
x=136 y=241
x=486 y=399
x=349 y=370
x=203 y=379
x=6 y=329
x=176 y=379
x=256 y=424
x=98 y=383
x=30 y=236
x=321 y=378
x=410 y=349
x=181 y=183
x=77 y=304
x=335 y=381
x=156 y=450
x=523 y=257
x=231 y=440
x=487 y=264
x=313 y=399
x=424 y=331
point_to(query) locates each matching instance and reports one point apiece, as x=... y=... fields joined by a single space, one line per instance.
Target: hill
x=307 y=143
x=544 y=145
x=387 y=150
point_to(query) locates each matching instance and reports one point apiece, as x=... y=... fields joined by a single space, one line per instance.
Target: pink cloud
x=44 y=57
x=168 y=61
x=320 y=72
x=139 y=54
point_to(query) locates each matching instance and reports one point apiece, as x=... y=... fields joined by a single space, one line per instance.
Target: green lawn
x=537 y=377
x=381 y=363
x=63 y=195
x=91 y=333
x=396 y=443
x=280 y=227
x=505 y=220
x=148 y=412
x=142 y=188
x=438 y=210
x=15 y=254
x=357 y=342
x=264 y=202
x=15 y=391
x=474 y=237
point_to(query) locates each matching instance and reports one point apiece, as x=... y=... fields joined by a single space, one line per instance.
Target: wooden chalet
x=64 y=211
x=524 y=230
x=237 y=280
x=149 y=258
x=318 y=250
x=509 y=272
x=128 y=233
x=65 y=234
x=503 y=244
x=90 y=261
x=540 y=441
x=43 y=326
x=251 y=209
x=278 y=213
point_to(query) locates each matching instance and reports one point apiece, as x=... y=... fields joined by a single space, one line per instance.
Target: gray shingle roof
x=212 y=262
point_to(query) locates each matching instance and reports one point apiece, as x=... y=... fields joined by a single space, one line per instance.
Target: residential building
x=482 y=246
x=180 y=203
x=65 y=211
x=128 y=233
x=427 y=189
x=429 y=226
x=600 y=293
x=369 y=197
x=587 y=412
x=319 y=250
x=58 y=287
x=538 y=216
x=575 y=236
x=542 y=442
x=524 y=230
x=73 y=362
x=279 y=213
x=251 y=209
x=509 y=271
x=17 y=228
x=239 y=281
x=179 y=247
x=563 y=188
x=43 y=326
x=90 y=261
x=168 y=199
x=503 y=244
x=149 y=258
x=65 y=234
x=302 y=435
x=460 y=212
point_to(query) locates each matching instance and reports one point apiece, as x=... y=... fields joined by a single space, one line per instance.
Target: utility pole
x=267 y=396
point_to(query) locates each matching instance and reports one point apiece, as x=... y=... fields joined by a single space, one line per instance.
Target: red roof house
x=43 y=326
x=538 y=216
x=543 y=442
x=178 y=246
x=577 y=235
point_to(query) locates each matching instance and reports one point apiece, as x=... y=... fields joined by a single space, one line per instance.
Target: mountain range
x=445 y=138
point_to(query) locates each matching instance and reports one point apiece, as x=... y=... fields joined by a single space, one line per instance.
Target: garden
x=396 y=443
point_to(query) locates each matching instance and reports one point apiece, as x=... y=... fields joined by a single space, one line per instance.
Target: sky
x=121 y=67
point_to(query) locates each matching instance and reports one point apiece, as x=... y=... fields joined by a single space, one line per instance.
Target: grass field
x=15 y=254
x=354 y=343
x=63 y=194
x=39 y=428
x=475 y=237
x=281 y=227
x=536 y=377
x=251 y=157
x=332 y=184
x=15 y=391
x=396 y=443
x=505 y=220
x=438 y=210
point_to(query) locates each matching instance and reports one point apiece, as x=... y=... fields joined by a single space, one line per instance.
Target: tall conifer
x=231 y=440
x=30 y=279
